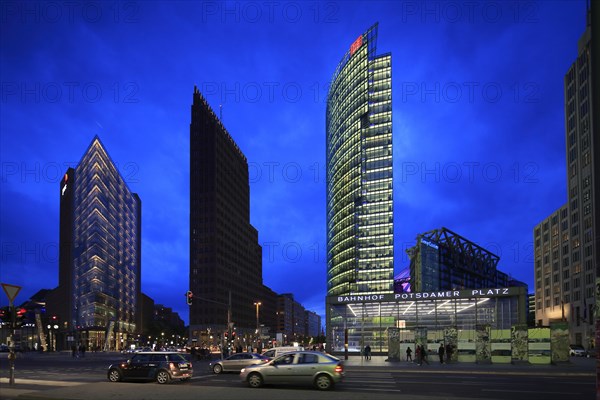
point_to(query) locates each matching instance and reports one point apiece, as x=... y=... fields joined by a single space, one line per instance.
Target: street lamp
x=257 y=304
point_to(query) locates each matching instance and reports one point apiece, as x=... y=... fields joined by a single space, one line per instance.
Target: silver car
x=236 y=362
x=296 y=368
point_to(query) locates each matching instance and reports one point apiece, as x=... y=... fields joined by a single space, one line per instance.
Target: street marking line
x=39 y=382
x=527 y=391
x=374 y=382
x=362 y=388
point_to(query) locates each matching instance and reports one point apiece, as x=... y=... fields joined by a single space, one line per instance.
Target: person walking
x=441 y=353
x=448 y=353
x=367 y=352
x=418 y=354
x=409 y=354
x=423 y=353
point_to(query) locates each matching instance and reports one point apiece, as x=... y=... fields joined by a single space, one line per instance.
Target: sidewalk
x=580 y=366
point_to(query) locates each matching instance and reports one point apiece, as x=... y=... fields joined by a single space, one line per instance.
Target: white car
x=577 y=350
x=277 y=351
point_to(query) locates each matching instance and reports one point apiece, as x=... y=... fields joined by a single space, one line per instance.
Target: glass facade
x=367 y=322
x=105 y=257
x=444 y=260
x=359 y=172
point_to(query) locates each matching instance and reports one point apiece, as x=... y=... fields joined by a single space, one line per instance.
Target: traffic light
x=19 y=316
x=189 y=297
x=5 y=314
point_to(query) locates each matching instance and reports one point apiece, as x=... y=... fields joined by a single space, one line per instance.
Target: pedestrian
x=73 y=351
x=367 y=352
x=82 y=350
x=409 y=354
x=424 y=355
x=448 y=353
x=418 y=354
x=441 y=353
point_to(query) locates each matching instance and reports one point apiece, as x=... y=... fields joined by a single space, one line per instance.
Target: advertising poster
x=501 y=346
x=393 y=344
x=451 y=340
x=520 y=343
x=559 y=341
x=483 y=346
x=539 y=346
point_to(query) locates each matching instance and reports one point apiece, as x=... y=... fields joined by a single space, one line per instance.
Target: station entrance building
x=477 y=325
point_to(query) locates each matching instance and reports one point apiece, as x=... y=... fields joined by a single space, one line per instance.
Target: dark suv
x=161 y=366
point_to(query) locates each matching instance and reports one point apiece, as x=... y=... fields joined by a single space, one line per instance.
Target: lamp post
x=257 y=304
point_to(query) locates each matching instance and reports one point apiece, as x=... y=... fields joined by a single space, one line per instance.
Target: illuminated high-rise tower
x=99 y=292
x=360 y=230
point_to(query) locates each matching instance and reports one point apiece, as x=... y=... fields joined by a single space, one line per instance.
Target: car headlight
x=242 y=371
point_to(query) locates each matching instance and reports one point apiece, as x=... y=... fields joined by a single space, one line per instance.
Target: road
x=52 y=376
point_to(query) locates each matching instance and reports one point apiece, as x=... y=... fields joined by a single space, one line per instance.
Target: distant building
x=360 y=231
x=291 y=318
x=566 y=248
x=444 y=260
x=167 y=325
x=99 y=286
x=313 y=324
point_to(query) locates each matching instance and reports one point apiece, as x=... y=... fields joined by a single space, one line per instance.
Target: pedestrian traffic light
x=189 y=297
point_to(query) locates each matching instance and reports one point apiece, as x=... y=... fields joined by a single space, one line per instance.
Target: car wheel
x=255 y=380
x=218 y=368
x=163 y=377
x=323 y=382
x=114 y=375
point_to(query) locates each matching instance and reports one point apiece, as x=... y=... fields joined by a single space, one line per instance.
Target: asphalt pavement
x=100 y=390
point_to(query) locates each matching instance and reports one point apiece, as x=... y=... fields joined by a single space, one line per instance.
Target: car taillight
x=339 y=368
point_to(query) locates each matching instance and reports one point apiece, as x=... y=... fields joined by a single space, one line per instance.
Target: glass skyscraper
x=100 y=252
x=359 y=172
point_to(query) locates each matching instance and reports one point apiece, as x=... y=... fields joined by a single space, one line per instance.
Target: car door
x=280 y=370
x=233 y=362
x=138 y=366
x=306 y=367
x=153 y=364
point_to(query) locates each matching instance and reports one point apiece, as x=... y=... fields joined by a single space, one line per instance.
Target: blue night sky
x=478 y=122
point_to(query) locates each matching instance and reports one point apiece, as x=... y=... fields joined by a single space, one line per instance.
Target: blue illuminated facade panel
x=359 y=172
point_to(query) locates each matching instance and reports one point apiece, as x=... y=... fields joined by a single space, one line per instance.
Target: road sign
x=11 y=291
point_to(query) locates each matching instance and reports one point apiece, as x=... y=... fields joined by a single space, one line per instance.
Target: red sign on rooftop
x=355 y=45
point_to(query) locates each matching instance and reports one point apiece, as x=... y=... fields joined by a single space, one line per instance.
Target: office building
x=313 y=324
x=359 y=172
x=445 y=260
x=225 y=258
x=99 y=287
x=566 y=251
